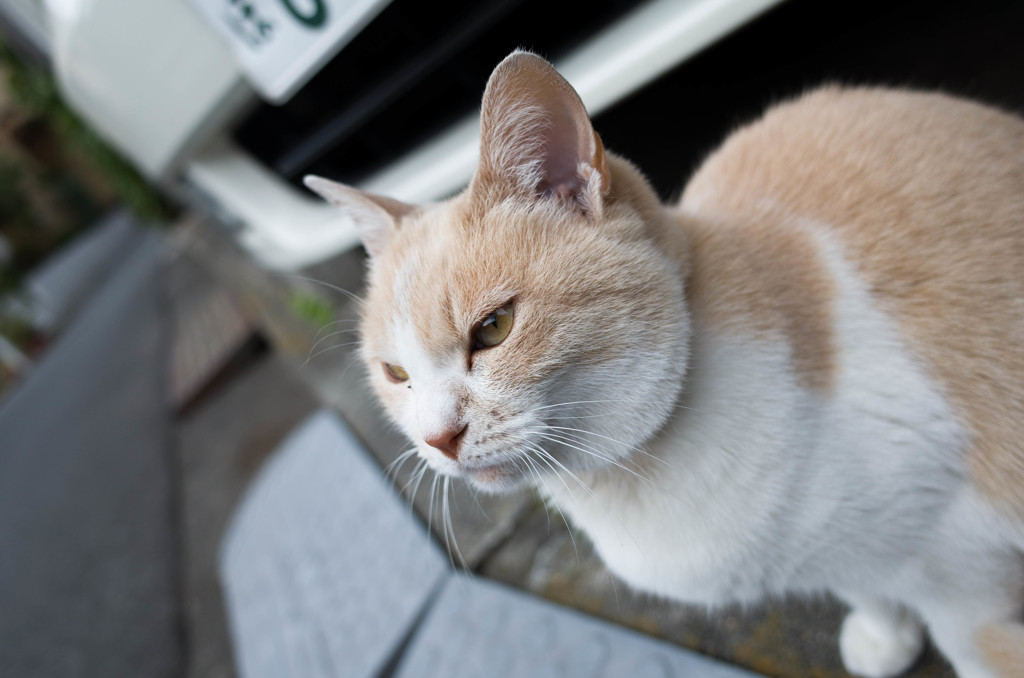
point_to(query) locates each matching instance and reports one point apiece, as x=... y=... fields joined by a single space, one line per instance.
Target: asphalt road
x=87 y=543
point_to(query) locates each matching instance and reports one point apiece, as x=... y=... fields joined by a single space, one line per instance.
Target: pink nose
x=448 y=440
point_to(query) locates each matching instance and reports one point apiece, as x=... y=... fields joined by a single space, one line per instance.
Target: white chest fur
x=759 y=486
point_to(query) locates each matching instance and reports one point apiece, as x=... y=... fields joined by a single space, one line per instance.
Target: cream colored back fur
x=808 y=376
x=926 y=194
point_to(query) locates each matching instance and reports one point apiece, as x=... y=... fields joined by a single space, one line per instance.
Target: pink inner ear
x=559 y=167
x=536 y=137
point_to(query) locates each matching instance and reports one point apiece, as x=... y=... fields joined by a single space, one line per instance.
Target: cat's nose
x=448 y=440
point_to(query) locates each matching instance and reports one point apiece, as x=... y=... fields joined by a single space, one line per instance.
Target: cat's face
x=531 y=324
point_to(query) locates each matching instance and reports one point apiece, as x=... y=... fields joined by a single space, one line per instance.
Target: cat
x=806 y=376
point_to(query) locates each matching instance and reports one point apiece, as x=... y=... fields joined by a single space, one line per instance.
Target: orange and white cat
x=806 y=376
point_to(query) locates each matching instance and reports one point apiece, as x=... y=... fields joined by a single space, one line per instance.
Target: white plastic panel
x=283 y=228
x=149 y=75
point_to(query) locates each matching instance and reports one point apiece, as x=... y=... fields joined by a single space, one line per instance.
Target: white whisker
x=569 y=442
x=329 y=348
x=332 y=324
x=568 y=527
x=581 y=402
x=594 y=496
x=537 y=477
x=351 y=295
x=414 y=479
x=396 y=465
x=618 y=442
x=430 y=505
x=331 y=334
x=451 y=528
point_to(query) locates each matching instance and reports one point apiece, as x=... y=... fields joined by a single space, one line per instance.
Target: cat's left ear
x=376 y=217
x=536 y=138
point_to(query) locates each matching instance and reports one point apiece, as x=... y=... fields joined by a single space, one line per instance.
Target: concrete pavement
x=88 y=585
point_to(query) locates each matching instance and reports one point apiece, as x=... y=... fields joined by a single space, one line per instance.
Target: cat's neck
x=760 y=297
x=662 y=221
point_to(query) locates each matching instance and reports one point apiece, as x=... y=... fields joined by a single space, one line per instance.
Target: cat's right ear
x=536 y=139
x=376 y=217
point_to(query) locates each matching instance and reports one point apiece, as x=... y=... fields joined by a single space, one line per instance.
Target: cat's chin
x=495 y=477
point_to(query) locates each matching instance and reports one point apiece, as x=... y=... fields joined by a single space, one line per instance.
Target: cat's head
x=532 y=323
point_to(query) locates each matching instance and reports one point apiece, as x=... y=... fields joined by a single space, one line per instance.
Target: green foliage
x=36 y=90
x=17 y=330
x=314 y=309
x=18 y=225
x=12 y=201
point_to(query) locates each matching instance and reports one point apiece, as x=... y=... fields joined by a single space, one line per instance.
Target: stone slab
x=219 y=447
x=208 y=328
x=479 y=628
x=324 y=567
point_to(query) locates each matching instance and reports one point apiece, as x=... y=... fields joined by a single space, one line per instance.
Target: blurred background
x=173 y=302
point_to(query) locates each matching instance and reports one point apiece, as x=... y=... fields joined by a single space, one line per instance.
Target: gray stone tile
x=207 y=327
x=218 y=447
x=324 y=570
x=478 y=628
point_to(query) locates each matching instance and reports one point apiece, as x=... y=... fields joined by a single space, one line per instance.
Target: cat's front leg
x=879 y=639
x=992 y=648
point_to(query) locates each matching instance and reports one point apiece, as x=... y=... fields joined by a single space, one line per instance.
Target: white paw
x=877 y=647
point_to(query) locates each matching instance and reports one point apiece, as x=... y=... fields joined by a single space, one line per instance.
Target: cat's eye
x=494 y=328
x=395 y=373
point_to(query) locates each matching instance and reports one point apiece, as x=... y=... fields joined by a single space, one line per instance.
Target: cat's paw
x=880 y=647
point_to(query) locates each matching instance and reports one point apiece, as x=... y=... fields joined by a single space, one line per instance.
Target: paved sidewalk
x=87 y=546
x=219 y=445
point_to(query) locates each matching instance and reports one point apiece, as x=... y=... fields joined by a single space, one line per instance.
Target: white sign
x=282 y=43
